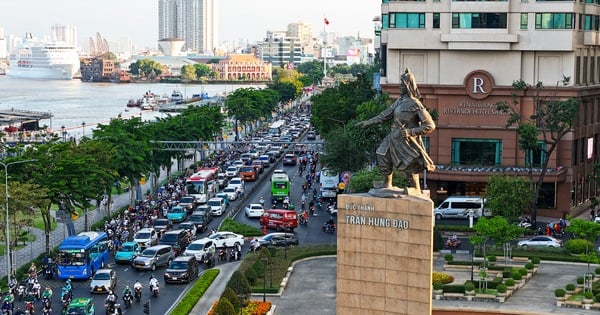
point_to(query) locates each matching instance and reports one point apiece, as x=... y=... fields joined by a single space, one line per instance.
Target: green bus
x=280 y=186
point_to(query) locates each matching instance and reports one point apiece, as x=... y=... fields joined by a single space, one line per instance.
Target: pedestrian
x=592 y=215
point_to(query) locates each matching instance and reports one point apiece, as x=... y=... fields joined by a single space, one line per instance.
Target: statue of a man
x=403 y=147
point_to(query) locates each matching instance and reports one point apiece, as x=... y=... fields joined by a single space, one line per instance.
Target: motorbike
x=47 y=302
x=222 y=255
x=65 y=301
x=29 y=308
x=234 y=255
x=453 y=243
x=112 y=308
x=21 y=292
x=208 y=260
x=154 y=289
x=328 y=227
x=138 y=295
x=302 y=220
x=127 y=298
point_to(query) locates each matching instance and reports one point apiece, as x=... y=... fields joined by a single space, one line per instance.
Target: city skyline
x=249 y=21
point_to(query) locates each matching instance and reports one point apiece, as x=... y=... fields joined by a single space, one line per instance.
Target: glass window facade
x=407 y=20
x=554 y=21
x=479 y=20
x=436 y=20
x=476 y=151
x=524 y=20
x=535 y=158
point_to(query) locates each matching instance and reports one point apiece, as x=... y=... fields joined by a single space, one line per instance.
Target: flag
x=326 y=21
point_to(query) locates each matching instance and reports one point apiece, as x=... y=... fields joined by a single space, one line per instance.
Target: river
x=72 y=102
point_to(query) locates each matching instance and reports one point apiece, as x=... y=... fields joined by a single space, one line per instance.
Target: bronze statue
x=403 y=147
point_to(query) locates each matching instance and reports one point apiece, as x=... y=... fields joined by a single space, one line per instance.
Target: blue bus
x=79 y=256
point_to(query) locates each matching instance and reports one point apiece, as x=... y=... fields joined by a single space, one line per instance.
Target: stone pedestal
x=384 y=254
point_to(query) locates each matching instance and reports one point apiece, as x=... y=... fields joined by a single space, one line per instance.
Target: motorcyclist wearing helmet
x=153 y=283
x=127 y=290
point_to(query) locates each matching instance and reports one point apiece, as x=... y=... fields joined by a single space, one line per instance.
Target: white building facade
x=194 y=21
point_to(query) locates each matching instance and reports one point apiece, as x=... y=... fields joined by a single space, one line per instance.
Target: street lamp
x=8 y=258
x=83 y=129
x=64 y=133
x=341 y=122
x=264 y=259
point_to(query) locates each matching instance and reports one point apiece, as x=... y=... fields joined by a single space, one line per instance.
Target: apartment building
x=466 y=55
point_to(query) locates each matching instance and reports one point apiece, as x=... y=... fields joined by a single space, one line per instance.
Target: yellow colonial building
x=242 y=67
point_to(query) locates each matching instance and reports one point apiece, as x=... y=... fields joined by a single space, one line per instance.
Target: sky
x=138 y=19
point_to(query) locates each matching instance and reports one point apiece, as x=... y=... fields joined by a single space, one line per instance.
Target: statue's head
x=409 y=84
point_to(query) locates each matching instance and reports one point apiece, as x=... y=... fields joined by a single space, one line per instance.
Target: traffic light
x=147 y=307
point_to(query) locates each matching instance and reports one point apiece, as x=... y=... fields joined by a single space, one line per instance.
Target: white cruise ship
x=43 y=60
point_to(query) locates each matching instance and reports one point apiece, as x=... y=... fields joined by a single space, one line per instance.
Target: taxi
x=126 y=252
x=81 y=306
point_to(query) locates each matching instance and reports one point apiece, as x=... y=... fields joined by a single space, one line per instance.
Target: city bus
x=79 y=256
x=276 y=128
x=280 y=186
x=202 y=185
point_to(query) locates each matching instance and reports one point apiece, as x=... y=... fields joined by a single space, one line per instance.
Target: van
x=183 y=269
x=175 y=238
x=154 y=256
x=279 y=219
x=458 y=207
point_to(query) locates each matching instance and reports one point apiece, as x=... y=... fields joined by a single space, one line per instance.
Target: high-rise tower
x=193 y=21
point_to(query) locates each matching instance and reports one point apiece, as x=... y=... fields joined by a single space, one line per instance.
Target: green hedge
x=454 y=288
x=188 y=302
x=465 y=263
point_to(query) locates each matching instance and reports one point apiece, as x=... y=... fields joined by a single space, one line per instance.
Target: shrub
x=442 y=278
x=469 y=286
x=491 y=258
x=454 y=288
x=224 y=307
x=597 y=298
x=497 y=280
x=516 y=276
x=535 y=260
x=529 y=266
x=438 y=240
x=510 y=282
x=507 y=274
x=559 y=293
x=448 y=257
x=578 y=246
x=438 y=286
x=588 y=295
x=251 y=276
x=580 y=280
x=570 y=287
x=596 y=287
x=230 y=295
x=259 y=268
x=597 y=271
x=239 y=284
x=523 y=271
x=501 y=288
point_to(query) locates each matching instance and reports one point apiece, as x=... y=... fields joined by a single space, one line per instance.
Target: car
x=232 y=171
x=225 y=197
x=254 y=210
x=81 y=306
x=127 y=252
x=248 y=173
x=266 y=160
x=146 y=237
x=176 y=239
x=258 y=165
x=183 y=269
x=227 y=239
x=177 y=214
x=188 y=203
x=246 y=157
x=239 y=163
x=275 y=153
x=152 y=257
x=199 y=247
x=540 y=241
x=217 y=206
x=236 y=182
x=311 y=135
x=222 y=179
x=162 y=225
x=231 y=191
x=103 y=281
x=289 y=160
x=205 y=209
x=254 y=153
x=199 y=219
x=278 y=239
x=188 y=226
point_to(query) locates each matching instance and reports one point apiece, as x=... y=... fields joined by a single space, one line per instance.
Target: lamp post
x=241 y=300
x=264 y=259
x=341 y=122
x=83 y=129
x=8 y=258
x=63 y=132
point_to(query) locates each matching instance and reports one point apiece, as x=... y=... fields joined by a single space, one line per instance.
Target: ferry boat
x=52 y=60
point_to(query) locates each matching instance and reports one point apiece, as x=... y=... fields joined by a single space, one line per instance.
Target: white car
x=540 y=241
x=199 y=247
x=146 y=237
x=231 y=192
x=236 y=182
x=232 y=171
x=217 y=206
x=228 y=239
x=254 y=210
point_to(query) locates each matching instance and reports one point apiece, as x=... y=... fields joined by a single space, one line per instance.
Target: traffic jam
x=271 y=180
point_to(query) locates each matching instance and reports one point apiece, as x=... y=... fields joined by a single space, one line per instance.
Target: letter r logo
x=478 y=85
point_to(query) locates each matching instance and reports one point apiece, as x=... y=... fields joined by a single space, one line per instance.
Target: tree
x=188 y=73
x=496 y=229
x=587 y=230
x=551 y=120
x=239 y=284
x=224 y=307
x=146 y=67
x=507 y=196
x=202 y=70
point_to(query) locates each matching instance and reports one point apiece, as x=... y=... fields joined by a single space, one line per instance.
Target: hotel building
x=466 y=55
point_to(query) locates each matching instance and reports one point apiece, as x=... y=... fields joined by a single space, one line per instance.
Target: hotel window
x=385 y=21
x=426 y=143
x=478 y=20
x=535 y=157
x=476 y=151
x=407 y=20
x=436 y=20
x=547 y=196
x=554 y=21
x=524 y=20
x=590 y=22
